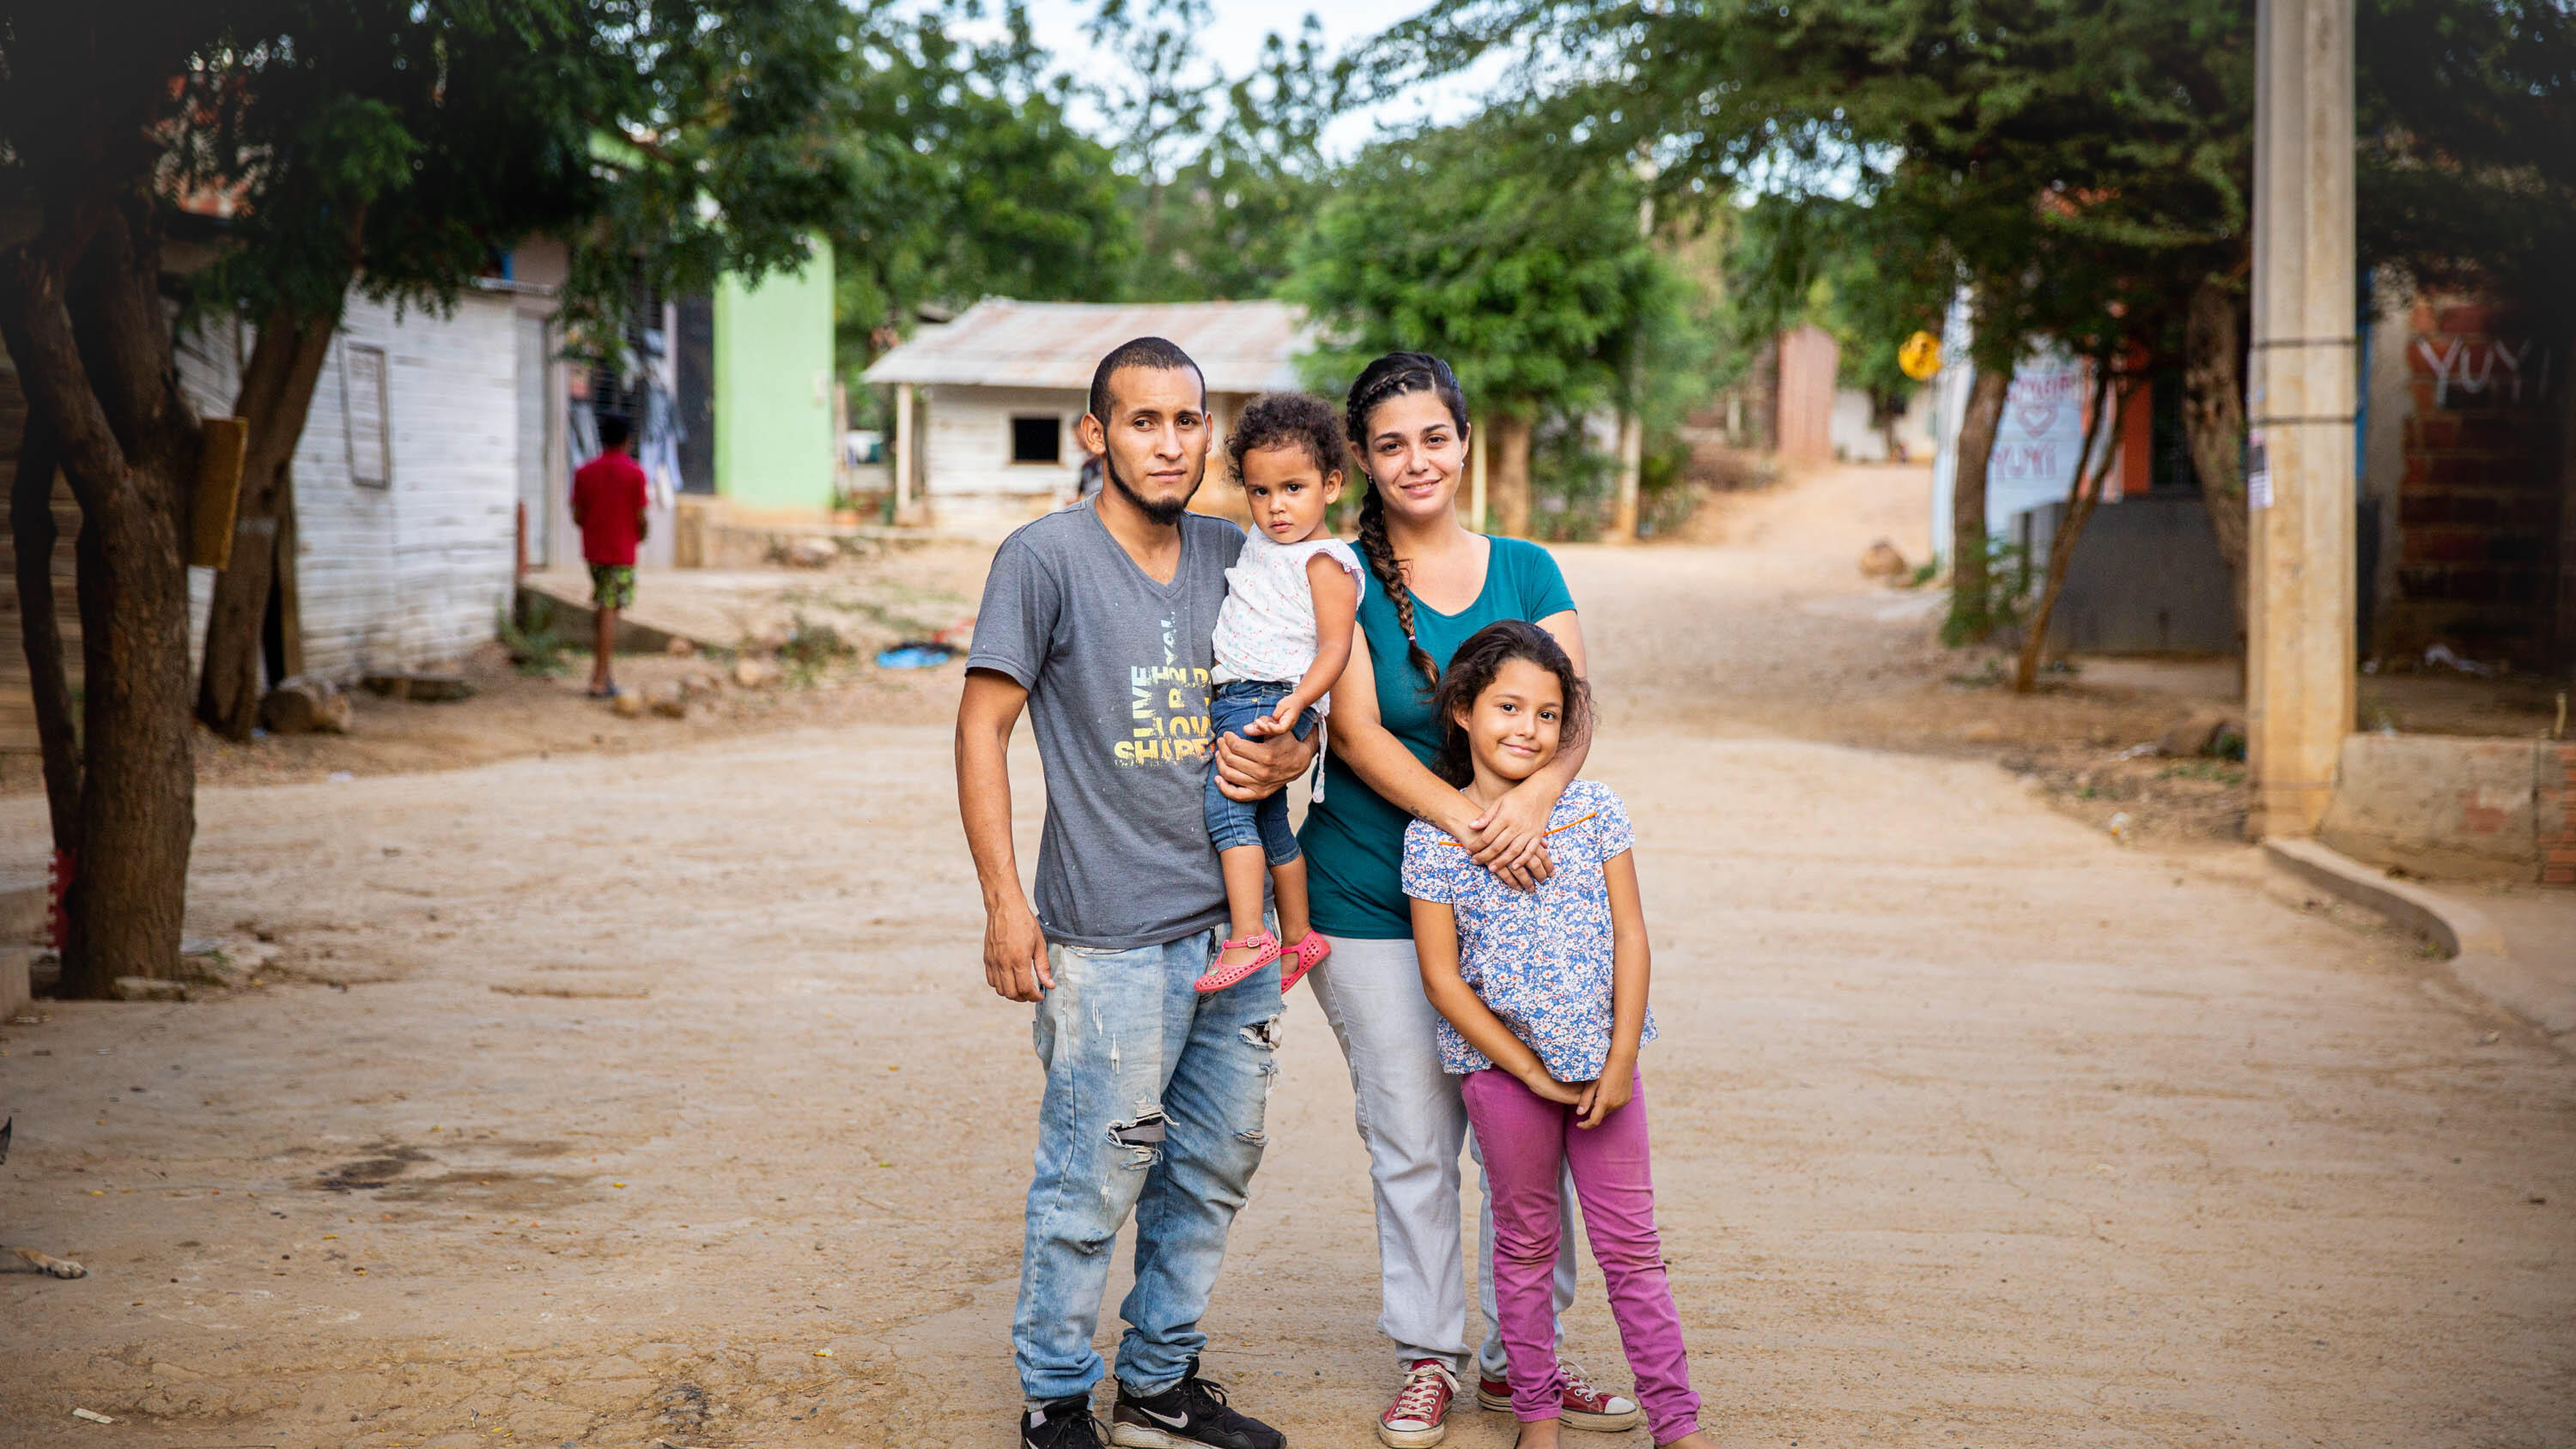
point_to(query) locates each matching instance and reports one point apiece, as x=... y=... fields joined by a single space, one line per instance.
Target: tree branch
x=31 y=526
x=36 y=320
x=276 y=397
x=124 y=335
x=2110 y=393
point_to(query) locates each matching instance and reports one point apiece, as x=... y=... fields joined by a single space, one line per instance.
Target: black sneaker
x=1191 y=1412
x=1061 y=1424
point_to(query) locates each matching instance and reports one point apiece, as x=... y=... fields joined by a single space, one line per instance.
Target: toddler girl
x=1544 y=998
x=1281 y=641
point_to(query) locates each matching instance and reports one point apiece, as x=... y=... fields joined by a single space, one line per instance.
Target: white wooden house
x=423 y=440
x=985 y=405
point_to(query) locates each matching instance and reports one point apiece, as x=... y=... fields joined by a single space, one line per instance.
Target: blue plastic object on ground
x=914 y=655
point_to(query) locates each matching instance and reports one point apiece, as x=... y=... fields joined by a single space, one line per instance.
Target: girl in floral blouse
x=1543 y=1000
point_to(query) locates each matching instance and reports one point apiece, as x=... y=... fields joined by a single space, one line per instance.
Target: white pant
x=1413 y=1122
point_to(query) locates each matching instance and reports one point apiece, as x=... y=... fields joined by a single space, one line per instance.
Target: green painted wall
x=773 y=366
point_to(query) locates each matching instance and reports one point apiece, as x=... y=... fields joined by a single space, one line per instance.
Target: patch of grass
x=812 y=648
x=2009 y=586
x=1988 y=675
x=2217 y=770
x=535 y=649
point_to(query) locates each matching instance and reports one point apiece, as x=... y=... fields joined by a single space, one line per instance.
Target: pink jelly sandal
x=1305 y=956
x=1265 y=949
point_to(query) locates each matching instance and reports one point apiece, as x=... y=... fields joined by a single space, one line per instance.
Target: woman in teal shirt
x=1431 y=584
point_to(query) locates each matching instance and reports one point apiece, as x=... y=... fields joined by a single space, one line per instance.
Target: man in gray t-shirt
x=1116 y=669
x=1096 y=621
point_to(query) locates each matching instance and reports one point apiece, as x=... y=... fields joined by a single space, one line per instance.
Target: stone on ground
x=305 y=705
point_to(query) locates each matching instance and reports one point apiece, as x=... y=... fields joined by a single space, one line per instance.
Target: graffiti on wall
x=2043 y=422
x=2485 y=371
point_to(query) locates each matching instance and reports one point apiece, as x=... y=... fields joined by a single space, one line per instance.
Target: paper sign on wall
x=2258 y=472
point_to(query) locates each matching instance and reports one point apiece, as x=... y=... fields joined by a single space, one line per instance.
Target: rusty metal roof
x=1239 y=346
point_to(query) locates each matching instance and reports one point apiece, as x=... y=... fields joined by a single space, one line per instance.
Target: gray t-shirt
x=1116 y=666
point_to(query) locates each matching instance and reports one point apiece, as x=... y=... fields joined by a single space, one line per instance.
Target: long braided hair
x=1393 y=376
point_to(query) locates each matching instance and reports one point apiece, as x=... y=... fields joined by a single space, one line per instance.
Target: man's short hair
x=614 y=431
x=1153 y=352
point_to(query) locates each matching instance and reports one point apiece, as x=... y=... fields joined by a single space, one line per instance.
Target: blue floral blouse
x=1540 y=960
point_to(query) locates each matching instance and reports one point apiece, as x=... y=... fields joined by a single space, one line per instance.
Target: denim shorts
x=1262 y=822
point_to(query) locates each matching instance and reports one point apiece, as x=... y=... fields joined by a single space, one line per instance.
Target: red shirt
x=608 y=498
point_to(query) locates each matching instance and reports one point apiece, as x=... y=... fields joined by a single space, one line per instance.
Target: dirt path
x=653 y=1077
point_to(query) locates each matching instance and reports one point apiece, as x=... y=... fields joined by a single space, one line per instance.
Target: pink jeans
x=1528 y=1142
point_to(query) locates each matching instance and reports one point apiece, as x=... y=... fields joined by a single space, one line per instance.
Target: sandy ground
x=873 y=601
x=599 y=1097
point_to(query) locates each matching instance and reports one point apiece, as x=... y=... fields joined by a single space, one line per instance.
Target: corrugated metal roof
x=1239 y=346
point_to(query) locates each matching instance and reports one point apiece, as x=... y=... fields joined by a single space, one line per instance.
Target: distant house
x=984 y=406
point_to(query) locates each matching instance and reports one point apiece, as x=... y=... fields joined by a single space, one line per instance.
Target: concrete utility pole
x=2299 y=410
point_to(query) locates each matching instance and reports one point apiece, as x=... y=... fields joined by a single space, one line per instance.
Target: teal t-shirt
x=1354 y=839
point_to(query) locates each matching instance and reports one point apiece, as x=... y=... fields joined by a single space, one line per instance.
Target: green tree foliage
x=717 y=145
x=1228 y=222
x=2467 y=169
x=2083 y=165
x=1534 y=283
x=1225 y=173
x=971 y=181
x=410 y=144
x=1454 y=241
x=2067 y=160
x=1840 y=265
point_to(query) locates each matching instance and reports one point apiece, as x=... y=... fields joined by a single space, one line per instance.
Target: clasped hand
x=1591 y=1101
x=1257 y=769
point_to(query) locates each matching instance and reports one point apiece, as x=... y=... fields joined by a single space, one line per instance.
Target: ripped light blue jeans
x=1155 y=1101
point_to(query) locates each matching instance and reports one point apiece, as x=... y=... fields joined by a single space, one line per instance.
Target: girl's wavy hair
x=1382 y=381
x=1288 y=419
x=1471 y=673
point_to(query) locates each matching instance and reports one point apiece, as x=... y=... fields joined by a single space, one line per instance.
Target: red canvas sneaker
x=1586 y=1407
x=1419 y=1417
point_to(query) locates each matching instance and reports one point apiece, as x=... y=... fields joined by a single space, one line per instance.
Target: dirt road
x=660 y=1098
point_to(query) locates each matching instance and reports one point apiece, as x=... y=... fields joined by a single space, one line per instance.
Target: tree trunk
x=276 y=396
x=2213 y=412
x=1971 y=593
x=1509 y=478
x=95 y=360
x=2108 y=394
x=33 y=532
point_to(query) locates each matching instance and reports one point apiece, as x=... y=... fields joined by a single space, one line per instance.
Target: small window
x=362 y=395
x=1037 y=440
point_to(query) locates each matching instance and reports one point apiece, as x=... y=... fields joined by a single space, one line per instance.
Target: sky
x=1233 y=41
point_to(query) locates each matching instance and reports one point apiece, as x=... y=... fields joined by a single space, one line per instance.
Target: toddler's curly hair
x=1282 y=419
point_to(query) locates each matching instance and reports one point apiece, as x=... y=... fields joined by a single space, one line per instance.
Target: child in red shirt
x=608 y=501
